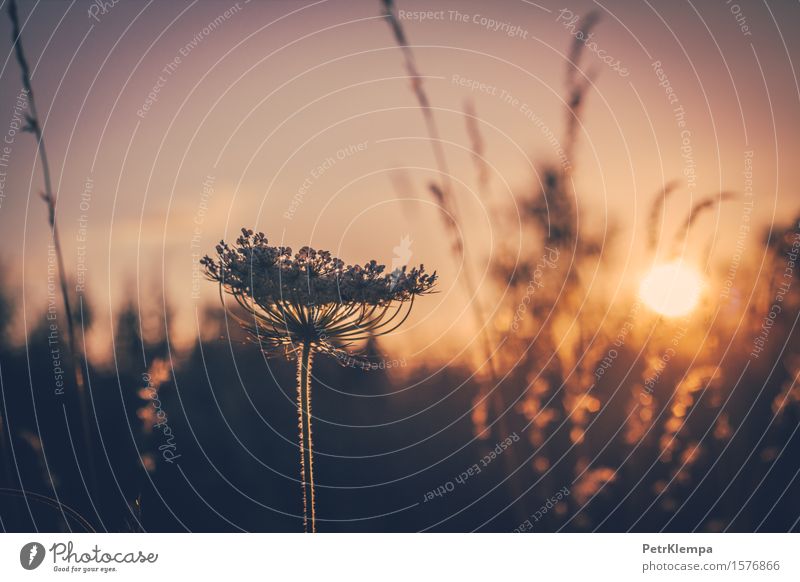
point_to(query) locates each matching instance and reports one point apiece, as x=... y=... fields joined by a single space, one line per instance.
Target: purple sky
x=290 y=117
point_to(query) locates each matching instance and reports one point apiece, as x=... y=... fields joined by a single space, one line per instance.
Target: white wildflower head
x=312 y=297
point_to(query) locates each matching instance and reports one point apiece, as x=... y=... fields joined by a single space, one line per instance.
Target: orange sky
x=290 y=118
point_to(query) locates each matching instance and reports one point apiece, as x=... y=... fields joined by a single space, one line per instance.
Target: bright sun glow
x=671 y=289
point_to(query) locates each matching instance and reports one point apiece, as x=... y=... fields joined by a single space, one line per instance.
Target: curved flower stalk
x=50 y=198
x=310 y=302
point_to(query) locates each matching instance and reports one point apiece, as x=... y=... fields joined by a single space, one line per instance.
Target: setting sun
x=671 y=289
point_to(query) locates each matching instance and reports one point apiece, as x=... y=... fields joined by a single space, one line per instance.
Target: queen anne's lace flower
x=311 y=296
x=307 y=303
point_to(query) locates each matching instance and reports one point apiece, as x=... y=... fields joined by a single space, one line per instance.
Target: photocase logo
x=31 y=555
x=402 y=255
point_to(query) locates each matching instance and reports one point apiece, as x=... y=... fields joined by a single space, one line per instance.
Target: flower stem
x=306 y=443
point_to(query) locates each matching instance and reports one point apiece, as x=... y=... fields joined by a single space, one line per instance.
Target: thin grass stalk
x=577 y=87
x=655 y=220
x=34 y=126
x=449 y=209
x=442 y=194
x=696 y=211
x=478 y=148
x=419 y=92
